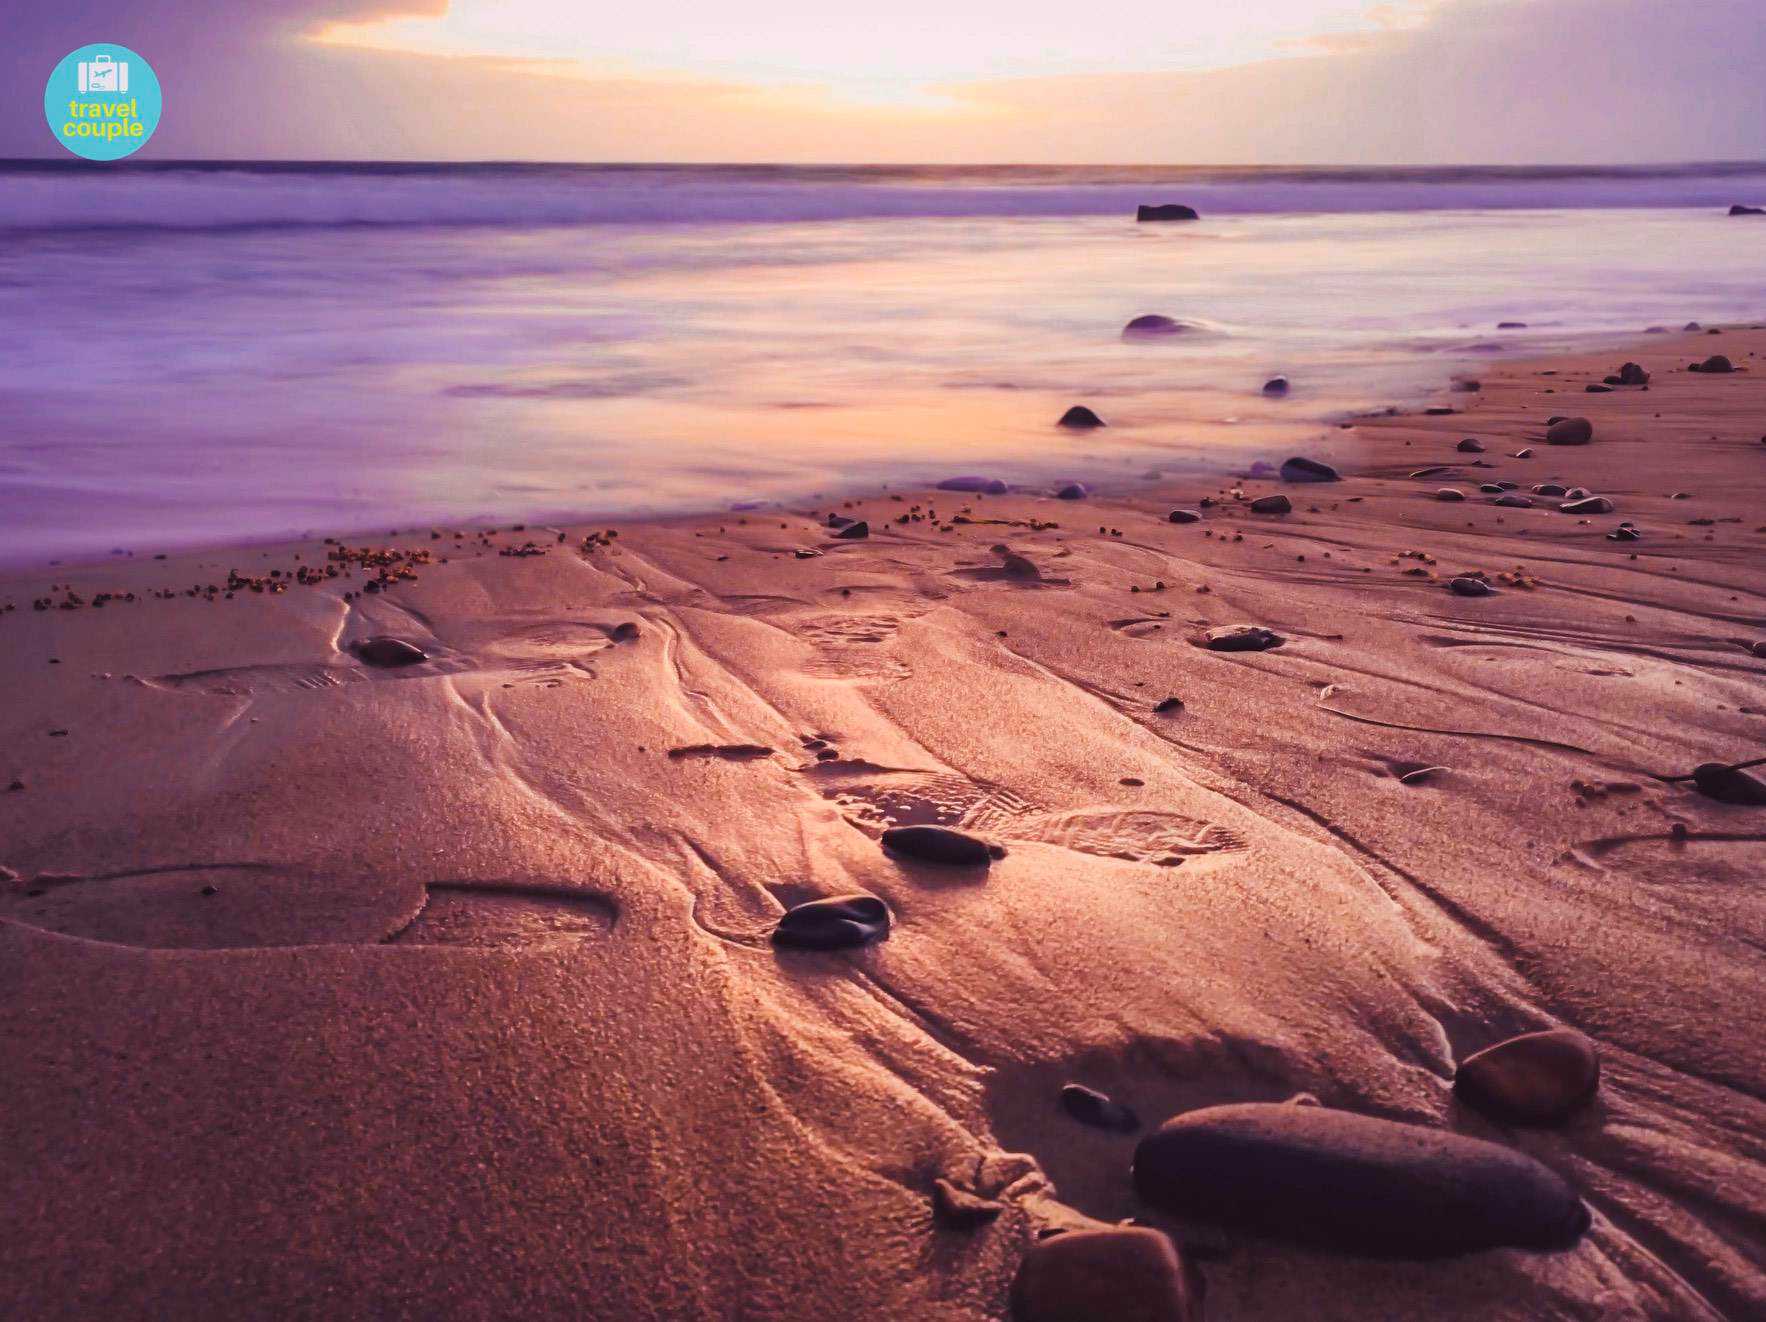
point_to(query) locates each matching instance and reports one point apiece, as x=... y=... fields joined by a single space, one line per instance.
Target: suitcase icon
x=104 y=73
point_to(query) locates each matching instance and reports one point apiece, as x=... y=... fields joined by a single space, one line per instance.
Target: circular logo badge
x=102 y=102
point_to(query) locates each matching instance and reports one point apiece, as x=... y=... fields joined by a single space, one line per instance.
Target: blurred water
x=180 y=383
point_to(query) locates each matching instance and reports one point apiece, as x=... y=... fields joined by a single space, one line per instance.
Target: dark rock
x=1438 y=411
x=1272 y=505
x=1632 y=374
x=1276 y=385
x=389 y=652
x=1728 y=784
x=1241 y=638
x=1123 y=1274
x=1740 y=210
x=1152 y=326
x=1469 y=585
x=854 y=532
x=1080 y=416
x=1523 y=454
x=1433 y=470
x=1018 y=566
x=1511 y=325
x=833 y=923
x=1299 y=469
x=1072 y=491
x=938 y=844
x=1184 y=516
x=1550 y=489
x=1471 y=445
x=1577 y=493
x=1624 y=533
x=1534 y=1079
x=991 y=486
x=1353 y=1182
x=1467 y=386
x=1165 y=705
x=624 y=633
x=1692 y=326
x=1492 y=489
x=1513 y=501
x=1570 y=431
x=1715 y=363
x=1091 y=1107
x=1450 y=493
x=1597 y=390
x=1166 y=211
x=1587 y=505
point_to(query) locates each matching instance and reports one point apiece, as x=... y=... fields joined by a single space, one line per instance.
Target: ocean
x=204 y=353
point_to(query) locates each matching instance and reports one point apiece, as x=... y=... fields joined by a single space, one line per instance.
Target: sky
x=1103 y=81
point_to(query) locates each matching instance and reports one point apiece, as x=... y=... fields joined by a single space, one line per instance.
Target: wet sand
x=448 y=989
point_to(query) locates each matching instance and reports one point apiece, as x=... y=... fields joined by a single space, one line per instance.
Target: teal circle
x=102 y=102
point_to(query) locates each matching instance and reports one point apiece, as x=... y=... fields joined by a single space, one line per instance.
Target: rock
x=1471 y=445
x=1433 y=470
x=1438 y=411
x=1276 y=385
x=1512 y=501
x=1165 y=705
x=389 y=653
x=1533 y=1079
x=833 y=923
x=1492 y=488
x=1511 y=325
x=1522 y=454
x=1072 y=491
x=1299 y=469
x=991 y=486
x=1550 y=489
x=1183 y=516
x=959 y=1209
x=1469 y=585
x=1632 y=374
x=1166 y=211
x=1740 y=210
x=1241 y=638
x=1597 y=390
x=1587 y=505
x=1081 y=417
x=1019 y=566
x=1624 y=533
x=1152 y=326
x=1353 y=1182
x=1728 y=784
x=1577 y=493
x=1570 y=431
x=1467 y=386
x=624 y=632
x=854 y=532
x=1272 y=505
x=938 y=844
x=1091 y=1107
x=1715 y=363
x=1122 y=1274
x=1449 y=493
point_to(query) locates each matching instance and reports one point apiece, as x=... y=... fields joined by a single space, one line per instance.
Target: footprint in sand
x=851 y=646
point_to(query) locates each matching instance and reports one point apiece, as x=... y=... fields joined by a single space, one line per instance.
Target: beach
x=334 y=988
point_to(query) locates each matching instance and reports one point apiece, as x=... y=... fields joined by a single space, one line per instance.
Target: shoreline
x=450 y=988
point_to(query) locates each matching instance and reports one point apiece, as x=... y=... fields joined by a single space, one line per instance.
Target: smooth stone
x=1716 y=780
x=1072 y=491
x=1597 y=390
x=1550 y=489
x=1511 y=325
x=1241 y=638
x=1492 y=488
x=1276 y=385
x=1578 y=493
x=1166 y=211
x=1741 y=210
x=1514 y=502
x=1468 y=586
x=1080 y=416
x=853 y=532
x=1715 y=363
x=1122 y=1274
x=389 y=652
x=1471 y=445
x=1632 y=374
x=1523 y=454
x=1533 y=1079
x=1624 y=533
x=1353 y=1182
x=1152 y=325
x=1272 y=505
x=992 y=486
x=1450 y=493
x=937 y=844
x=1587 y=505
x=1299 y=469
x=1091 y=1107
x=1570 y=431
x=833 y=923
x=624 y=632
x=1183 y=516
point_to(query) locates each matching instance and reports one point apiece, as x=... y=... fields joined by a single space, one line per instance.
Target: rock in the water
x=991 y=486
x=1299 y=469
x=1152 y=326
x=1354 y=1182
x=938 y=844
x=1587 y=505
x=1449 y=493
x=1533 y=1079
x=1570 y=431
x=1080 y=416
x=855 y=531
x=1123 y=1274
x=1715 y=363
x=1469 y=585
x=1241 y=638
x=1632 y=374
x=1471 y=445
x=1072 y=491
x=1184 y=516
x=1272 y=505
x=834 y=923
x=1166 y=211
x=1276 y=385
x=1727 y=784
x=1091 y=1107
x=389 y=652
x=1740 y=209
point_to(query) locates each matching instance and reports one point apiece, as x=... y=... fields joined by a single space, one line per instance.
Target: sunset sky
x=1409 y=81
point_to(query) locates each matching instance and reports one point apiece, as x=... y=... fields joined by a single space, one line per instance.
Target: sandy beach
x=335 y=989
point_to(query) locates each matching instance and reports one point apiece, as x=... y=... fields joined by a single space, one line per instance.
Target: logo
x=102 y=102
